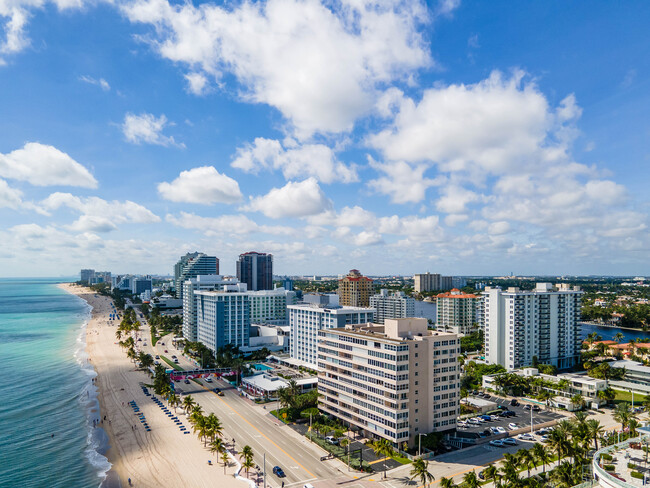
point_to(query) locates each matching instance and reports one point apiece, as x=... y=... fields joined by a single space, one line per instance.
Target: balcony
x=624 y=453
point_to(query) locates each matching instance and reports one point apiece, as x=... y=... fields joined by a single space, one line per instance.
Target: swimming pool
x=261 y=367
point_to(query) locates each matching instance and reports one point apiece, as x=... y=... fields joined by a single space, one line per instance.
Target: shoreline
x=605 y=326
x=160 y=456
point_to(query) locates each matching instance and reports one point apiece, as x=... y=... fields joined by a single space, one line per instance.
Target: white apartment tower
x=190 y=286
x=307 y=319
x=222 y=317
x=270 y=306
x=542 y=323
x=394 y=305
x=393 y=381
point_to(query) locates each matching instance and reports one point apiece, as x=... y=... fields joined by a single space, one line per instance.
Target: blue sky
x=394 y=137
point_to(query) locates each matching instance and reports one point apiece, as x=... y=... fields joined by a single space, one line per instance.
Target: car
x=513 y=426
x=475 y=392
x=510 y=413
x=208 y=379
x=473 y=421
x=166 y=350
x=481 y=475
x=501 y=430
x=486 y=432
x=157 y=357
x=487 y=418
x=495 y=417
x=543 y=438
x=526 y=437
x=527 y=407
x=156 y=363
x=481 y=420
x=509 y=441
x=144 y=344
x=495 y=430
x=496 y=443
x=536 y=408
x=332 y=440
x=461 y=423
x=486 y=396
x=139 y=339
x=162 y=343
x=186 y=381
x=277 y=470
x=176 y=361
x=173 y=356
x=307 y=485
x=514 y=402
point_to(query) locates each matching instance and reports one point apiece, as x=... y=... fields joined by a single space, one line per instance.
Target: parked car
x=157 y=357
x=166 y=350
x=543 y=438
x=277 y=470
x=208 y=379
x=187 y=382
x=486 y=433
x=487 y=418
x=156 y=362
x=526 y=407
x=473 y=421
x=496 y=443
x=526 y=437
x=501 y=430
x=509 y=442
x=513 y=426
x=332 y=440
x=495 y=430
x=514 y=402
x=536 y=408
x=495 y=417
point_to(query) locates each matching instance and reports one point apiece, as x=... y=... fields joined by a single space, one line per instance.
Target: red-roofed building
x=355 y=290
x=457 y=312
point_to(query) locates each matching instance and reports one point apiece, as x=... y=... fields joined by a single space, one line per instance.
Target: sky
x=395 y=137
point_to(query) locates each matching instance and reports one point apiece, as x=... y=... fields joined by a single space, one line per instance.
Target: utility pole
x=531 y=420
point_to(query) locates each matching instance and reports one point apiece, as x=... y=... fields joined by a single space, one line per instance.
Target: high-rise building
x=201 y=282
x=192 y=265
x=355 y=290
x=222 y=317
x=431 y=282
x=141 y=284
x=87 y=275
x=456 y=312
x=395 y=305
x=522 y=325
x=288 y=284
x=270 y=306
x=306 y=320
x=392 y=381
x=256 y=270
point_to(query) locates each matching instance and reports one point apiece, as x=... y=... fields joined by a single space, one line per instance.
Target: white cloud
x=147 y=128
x=295 y=199
x=43 y=165
x=455 y=199
x=293 y=160
x=320 y=64
x=101 y=82
x=9 y=197
x=445 y=7
x=197 y=83
x=203 y=185
x=226 y=224
x=498 y=228
x=367 y=238
x=98 y=215
x=403 y=182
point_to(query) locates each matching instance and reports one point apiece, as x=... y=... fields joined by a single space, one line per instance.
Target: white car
x=473 y=421
x=495 y=417
x=526 y=437
x=509 y=442
x=512 y=426
x=208 y=379
x=461 y=423
x=496 y=443
x=501 y=430
x=481 y=420
x=543 y=438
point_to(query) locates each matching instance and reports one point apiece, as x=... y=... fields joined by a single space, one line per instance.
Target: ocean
x=47 y=399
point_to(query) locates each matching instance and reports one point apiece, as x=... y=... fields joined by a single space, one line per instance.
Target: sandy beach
x=163 y=457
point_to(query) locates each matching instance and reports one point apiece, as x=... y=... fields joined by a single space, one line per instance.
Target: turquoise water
x=261 y=367
x=46 y=393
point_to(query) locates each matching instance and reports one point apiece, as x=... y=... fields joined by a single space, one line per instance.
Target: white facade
x=222 y=318
x=394 y=305
x=191 y=265
x=270 y=306
x=456 y=312
x=306 y=320
x=201 y=282
x=393 y=381
x=542 y=323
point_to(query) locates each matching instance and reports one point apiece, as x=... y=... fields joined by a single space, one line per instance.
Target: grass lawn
x=171 y=363
x=626 y=396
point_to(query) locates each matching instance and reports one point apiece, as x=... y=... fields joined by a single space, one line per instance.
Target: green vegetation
x=605 y=372
x=474 y=372
x=472 y=342
x=171 y=363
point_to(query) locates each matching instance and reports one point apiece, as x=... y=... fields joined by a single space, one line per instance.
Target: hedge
x=609 y=467
x=606 y=456
x=637 y=475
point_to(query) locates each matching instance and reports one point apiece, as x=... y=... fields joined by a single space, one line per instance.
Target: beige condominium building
x=392 y=381
x=355 y=290
x=456 y=312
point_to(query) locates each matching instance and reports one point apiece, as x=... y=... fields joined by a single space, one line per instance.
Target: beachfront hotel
x=223 y=317
x=306 y=319
x=542 y=323
x=190 y=286
x=392 y=381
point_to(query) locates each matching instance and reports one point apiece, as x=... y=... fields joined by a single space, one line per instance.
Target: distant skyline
x=459 y=137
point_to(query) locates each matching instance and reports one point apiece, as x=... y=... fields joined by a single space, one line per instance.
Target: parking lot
x=522 y=417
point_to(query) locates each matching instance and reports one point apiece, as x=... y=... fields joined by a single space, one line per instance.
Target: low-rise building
x=393 y=381
x=265 y=386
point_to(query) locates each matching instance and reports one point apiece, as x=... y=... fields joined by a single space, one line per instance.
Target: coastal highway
x=250 y=424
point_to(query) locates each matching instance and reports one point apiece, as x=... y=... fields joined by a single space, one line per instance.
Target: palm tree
x=247 y=454
x=632 y=425
x=215 y=429
x=217 y=446
x=608 y=394
x=563 y=476
x=558 y=441
x=188 y=403
x=344 y=444
x=383 y=447
x=541 y=454
x=595 y=431
x=201 y=428
x=618 y=337
x=420 y=470
x=491 y=473
x=526 y=459
x=470 y=480
x=173 y=401
x=578 y=401
x=447 y=483
x=225 y=459
x=622 y=414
